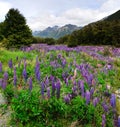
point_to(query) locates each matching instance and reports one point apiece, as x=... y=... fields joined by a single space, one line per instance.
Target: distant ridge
x=56 y=31
x=114 y=16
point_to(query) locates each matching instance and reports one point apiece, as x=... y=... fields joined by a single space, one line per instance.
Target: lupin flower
x=4 y=84
x=105 y=107
x=95 y=101
x=103 y=120
x=5 y=76
x=30 y=83
x=82 y=89
x=15 y=80
x=113 y=100
x=87 y=96
x=0 y=67
x=118 y=121
x=15 y=77
x=48 y=92
x=91 y=91
x=53 y=88
x=37 y=71
x=42 y=89
x=58 y=89
x=24 y=74
x=52 y=78
x=10 y=64
x=67 y=99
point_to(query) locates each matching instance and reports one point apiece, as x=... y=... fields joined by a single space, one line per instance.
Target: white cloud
x=78 y=16
x=42 y=14
x=4 y=7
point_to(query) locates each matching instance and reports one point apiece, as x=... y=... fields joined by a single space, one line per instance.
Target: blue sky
x=43 y=13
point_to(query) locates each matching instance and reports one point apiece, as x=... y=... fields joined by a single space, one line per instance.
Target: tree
x=16 y=30
x=1 y=31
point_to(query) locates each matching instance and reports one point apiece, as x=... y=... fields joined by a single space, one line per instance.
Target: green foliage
x=16 y=30
x=99 y=33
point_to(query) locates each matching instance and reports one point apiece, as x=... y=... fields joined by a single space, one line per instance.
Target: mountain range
x=56 y=31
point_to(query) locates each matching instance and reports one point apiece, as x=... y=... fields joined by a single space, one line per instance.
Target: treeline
x=99 y=33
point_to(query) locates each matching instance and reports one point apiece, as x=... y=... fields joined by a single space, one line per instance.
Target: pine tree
x=16 y=30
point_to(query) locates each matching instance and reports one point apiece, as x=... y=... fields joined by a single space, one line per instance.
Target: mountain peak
x=56 y=31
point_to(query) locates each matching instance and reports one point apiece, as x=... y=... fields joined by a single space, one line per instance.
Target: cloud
x=42 y=14
x=78 y=16
x=4 y=7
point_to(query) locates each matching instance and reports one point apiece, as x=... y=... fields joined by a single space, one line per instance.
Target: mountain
x=103 y=32
x=56 y=31
x=114 y=16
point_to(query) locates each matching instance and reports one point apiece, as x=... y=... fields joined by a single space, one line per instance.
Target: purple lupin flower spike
x=4 y=84
x=82 y=89
x=58 y=89
x=42 y=89
x=15 y=80
x=5 y=76
x=0 y=67
x=24 y=74
x=67 y=99
x=113 y=100
x=10 y=64
x=87 y=96
x=118 y=121
x=30 y=84
x=91 y=91
x=48 y=92
x=37 y=71
x=95 y=101
x=103 y=120
x=105 y=107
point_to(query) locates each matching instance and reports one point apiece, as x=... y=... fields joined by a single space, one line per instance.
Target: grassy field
x=56 y=86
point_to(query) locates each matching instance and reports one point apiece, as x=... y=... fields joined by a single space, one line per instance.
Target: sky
x=41 y=14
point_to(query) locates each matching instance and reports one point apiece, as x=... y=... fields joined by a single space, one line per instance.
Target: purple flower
x=113 y=100
x=47 y=81
x=82 y=88
x=53 y=88
x=0 y=67
x=87 y=96
x=24 y=74
x=30 y=83
x=48 y=92
x=42 y=89
x=5 y=76
x=103 y=120
x=105 y=107
x=52 y=78
x=4 y=84
x=15 y=80
x=15 y=77
x=37 y=71
x=58 y=89
x=95 y=101
x=10 y=64
x=67 y=99
x=118 y=121
x=91 y=91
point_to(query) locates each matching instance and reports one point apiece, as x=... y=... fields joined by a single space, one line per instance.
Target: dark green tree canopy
x=16 y=30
